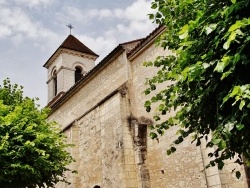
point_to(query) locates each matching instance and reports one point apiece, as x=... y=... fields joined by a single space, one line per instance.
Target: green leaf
x=184 y=32
x=154 y=6
x=153 y=135
x=147 y=91
x=151 y=16
x=184 y=29
x=230 y=39
x=222 y=145
x=153 y=87
x=161 y=107
x=216 y=141
x=160 y=131
x=226 y=45
x=236 y=91
x=240 y=126
x=210 y=28
x=242 y=104
x=220 y=164
x=147 y=103
x=226 y=74
x=148 y=108
x=173 y=149
x=235 y=26
x=156 y=118
x=222 y=64
x=212 y=163
x=184 y=35
x=169 y=152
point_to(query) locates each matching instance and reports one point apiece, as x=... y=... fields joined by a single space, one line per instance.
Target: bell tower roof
x=72 y=43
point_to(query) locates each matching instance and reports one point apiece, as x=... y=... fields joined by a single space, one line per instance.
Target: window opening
x=55 y=83
x=78 y=74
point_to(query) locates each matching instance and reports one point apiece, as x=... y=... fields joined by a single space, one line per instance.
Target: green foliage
x=209 y=74
x=32 y=150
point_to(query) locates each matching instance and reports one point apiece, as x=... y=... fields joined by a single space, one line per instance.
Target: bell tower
x=67 y=65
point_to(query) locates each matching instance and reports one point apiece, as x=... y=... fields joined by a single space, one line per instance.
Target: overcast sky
x=31 y=30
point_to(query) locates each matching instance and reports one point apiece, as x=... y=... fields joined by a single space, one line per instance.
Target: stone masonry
x=104 y=117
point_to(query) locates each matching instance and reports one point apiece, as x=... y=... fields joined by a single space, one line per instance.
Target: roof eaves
x=147 y=40
x=132 y=41
x=58 y=51
x=47 y=62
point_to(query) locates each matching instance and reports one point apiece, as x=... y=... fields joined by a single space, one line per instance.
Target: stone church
x=101 y=110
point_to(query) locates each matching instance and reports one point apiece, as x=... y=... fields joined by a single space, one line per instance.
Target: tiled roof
x=72 y=43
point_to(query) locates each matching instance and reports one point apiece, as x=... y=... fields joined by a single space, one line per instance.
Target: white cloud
x=4 y=31
x=100 y=45
x=105 y=13
x=129 y=23
x=16 y=20
x=33 y=31
x=136 y=11
x=19 y=26
x=34 y=3
x=2 y=2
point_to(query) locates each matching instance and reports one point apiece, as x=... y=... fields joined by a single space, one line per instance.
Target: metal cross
x=70 y=27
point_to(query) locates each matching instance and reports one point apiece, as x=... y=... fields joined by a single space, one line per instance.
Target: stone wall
x=186 y=167
x=100 y=130
x=182 y=169
x=109 y=127
x=92 y=92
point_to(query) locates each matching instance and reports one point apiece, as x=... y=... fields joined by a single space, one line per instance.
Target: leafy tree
x=209 y=75
x=32 y=150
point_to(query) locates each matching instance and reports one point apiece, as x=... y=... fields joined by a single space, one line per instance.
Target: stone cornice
x=68 y=51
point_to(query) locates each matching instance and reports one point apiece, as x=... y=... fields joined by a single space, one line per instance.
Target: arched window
x=78 y=74
x=96 y=186
x=55 y=82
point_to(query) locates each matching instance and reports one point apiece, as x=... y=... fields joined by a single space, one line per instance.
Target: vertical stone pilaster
x=75 y=153
x=130 y=170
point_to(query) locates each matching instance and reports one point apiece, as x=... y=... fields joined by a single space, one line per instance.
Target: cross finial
x=70 y=27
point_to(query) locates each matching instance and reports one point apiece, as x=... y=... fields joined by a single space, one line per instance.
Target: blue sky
x=31 y=30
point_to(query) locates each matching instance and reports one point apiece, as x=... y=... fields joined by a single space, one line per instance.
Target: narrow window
x=78 y=74
x=55 y=83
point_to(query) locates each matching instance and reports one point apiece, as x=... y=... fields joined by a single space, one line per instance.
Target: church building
x=100 y=108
